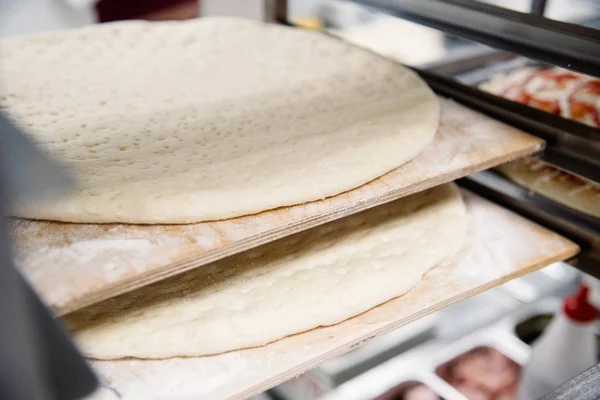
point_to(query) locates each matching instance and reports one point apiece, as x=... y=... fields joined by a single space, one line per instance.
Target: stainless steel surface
x=538 y=7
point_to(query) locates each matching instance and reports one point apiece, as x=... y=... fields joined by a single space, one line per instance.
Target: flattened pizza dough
x=180 y=122
x=315 y=278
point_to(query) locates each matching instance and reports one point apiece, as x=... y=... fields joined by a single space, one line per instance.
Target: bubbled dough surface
x=179 y=122
x=315 y=278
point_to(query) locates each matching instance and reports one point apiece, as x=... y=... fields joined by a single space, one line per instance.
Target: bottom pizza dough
x=318 y=277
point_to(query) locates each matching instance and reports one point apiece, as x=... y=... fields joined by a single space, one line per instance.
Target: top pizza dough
x=182 y=122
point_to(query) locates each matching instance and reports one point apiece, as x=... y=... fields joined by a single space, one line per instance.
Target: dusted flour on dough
x=179 y=122
x=314 y=278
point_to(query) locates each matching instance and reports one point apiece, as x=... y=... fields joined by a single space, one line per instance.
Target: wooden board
x=500 y=246
x=74 y=265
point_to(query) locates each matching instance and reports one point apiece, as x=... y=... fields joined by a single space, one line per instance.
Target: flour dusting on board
x=107 y=253
x=88 y=247
x=456 y=121
x=493 y=250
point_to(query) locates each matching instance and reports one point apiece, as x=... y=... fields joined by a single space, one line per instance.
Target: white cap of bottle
x=566 y=348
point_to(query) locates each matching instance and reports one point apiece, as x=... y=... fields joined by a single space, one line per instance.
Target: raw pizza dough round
x=180 y=122
x=314 y=278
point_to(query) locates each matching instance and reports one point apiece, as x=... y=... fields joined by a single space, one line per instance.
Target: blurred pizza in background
x=567 y=94
x=554 y=90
